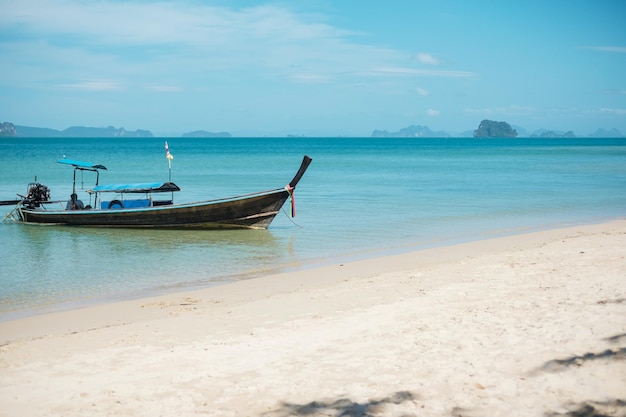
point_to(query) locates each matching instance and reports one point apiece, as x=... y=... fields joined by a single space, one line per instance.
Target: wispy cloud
x=164 y=88
x=310 y=78
x=179 y=41
x=92 y=85
x=619 y=49
x=423 y=72
x=512 y=110
x=112 y=22
x=422 y=92
x=427 y=59
x=613 y=111
x=432 y=112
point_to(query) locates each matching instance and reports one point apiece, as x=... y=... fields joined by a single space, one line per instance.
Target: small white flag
x=168 y=155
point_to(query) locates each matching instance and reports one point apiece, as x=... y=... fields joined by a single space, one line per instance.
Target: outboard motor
x=37 y=193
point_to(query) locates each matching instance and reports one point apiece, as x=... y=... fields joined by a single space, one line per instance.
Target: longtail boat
x=151 y=205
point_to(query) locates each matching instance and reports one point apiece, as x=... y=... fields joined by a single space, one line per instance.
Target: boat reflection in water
x=146 y=263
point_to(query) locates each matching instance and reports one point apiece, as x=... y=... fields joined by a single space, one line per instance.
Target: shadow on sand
x=343 y=407
x=610 y=408
x=557 y=365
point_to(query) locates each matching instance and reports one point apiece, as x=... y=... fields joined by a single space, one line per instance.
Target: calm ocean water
x=360 y=198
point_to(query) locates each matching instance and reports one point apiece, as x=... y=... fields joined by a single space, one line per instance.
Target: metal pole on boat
x=74 y=182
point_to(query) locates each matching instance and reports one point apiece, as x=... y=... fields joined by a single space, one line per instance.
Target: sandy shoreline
x=528 y=325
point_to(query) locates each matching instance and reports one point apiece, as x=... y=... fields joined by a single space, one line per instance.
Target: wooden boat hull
x=255 y=211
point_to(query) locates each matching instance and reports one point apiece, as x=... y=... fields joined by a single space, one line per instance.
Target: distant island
x=413 y=131
x=553 y=134
x=486 y=129
x=9 y=129
x=491 y=129
x=205 y=134
x=602 y=133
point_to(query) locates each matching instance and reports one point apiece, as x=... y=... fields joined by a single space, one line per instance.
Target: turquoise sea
x=361 y=197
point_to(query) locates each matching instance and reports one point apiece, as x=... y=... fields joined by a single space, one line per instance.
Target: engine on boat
x=37 y=193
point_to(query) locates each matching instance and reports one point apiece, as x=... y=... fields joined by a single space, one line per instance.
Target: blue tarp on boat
x=145 y=187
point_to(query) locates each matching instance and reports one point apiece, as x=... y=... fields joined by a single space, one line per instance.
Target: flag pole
x=169 y=157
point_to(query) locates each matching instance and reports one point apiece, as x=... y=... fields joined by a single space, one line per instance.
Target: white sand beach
x=527 y=325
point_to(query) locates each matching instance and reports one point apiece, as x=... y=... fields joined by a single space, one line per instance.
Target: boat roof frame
x=82 y=166
x=151 y=187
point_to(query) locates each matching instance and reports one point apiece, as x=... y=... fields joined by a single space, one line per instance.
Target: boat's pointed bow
x=306 y=161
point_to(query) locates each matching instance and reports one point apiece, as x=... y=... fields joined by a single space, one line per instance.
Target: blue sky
x=313 y=67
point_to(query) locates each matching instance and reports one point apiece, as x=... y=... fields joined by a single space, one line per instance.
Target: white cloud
x=427 y=59
x=136 y=47
x=111 y=22
x=179 y=34
x=432 y=112
x=130 y=23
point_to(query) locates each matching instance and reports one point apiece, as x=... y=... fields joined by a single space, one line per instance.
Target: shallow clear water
x=360 y=196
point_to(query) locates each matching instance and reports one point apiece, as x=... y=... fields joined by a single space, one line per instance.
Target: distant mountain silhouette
x=80 y=132
x=205 y=134
x=413 y=131
x=542 y=133
x=492 y=129
x=7 y=129
x=602 y=133
x=487 y=128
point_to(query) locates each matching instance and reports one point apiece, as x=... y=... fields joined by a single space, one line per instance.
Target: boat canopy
x=81 y=164
x=145 y=187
